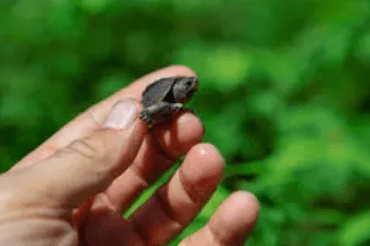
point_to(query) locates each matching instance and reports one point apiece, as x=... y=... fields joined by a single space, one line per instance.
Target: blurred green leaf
x=224 y=67
x=356 y=231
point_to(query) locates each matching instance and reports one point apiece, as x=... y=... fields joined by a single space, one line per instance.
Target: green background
x=284 y=94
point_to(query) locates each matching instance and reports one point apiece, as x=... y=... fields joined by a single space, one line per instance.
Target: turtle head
x=184 y=88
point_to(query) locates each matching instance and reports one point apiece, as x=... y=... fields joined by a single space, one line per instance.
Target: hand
x=73 y=189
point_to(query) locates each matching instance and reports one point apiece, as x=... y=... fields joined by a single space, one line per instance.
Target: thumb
x=87 y=166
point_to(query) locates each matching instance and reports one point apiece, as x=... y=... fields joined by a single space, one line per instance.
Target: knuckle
x=94 y=149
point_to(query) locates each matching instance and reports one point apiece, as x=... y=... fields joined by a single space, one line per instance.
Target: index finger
x=91 y=120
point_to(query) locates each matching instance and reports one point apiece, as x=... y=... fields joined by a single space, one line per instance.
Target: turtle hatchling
x=163 y=98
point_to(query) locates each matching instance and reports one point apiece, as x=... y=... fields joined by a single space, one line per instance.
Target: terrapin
x=163 y=98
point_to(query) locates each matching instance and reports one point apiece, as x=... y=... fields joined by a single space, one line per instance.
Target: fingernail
x=122 y=114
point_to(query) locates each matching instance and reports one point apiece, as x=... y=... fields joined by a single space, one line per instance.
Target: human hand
x=73 y=189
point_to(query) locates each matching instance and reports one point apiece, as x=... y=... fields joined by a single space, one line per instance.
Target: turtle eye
x=188 y=83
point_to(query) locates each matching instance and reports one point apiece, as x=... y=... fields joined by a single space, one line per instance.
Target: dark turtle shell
x=158 y=90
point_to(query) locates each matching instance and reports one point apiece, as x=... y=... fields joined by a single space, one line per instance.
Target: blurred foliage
x=284 y=94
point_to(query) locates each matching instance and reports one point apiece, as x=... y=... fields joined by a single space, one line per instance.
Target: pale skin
x=73 y=189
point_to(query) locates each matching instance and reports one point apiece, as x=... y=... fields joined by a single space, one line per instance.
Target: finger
x=232 y=223
x=86 y=166
x=175 y=139
x=175 y=204
x=89 y=121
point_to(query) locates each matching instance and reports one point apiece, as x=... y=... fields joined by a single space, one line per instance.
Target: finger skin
x=164 y=215
x=175 y=204
x=90 y=120
x=176 y=138
x=231 y=224
x=152 y=161
x=80 y=170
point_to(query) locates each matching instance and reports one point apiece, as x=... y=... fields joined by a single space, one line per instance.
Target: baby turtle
x=163 y=98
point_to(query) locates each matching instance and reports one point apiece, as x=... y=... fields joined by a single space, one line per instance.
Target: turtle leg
x=160 y=112
x=145 y=116
x=176 y=106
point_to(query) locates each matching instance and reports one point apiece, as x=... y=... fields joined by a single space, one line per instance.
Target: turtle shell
x=156 y=91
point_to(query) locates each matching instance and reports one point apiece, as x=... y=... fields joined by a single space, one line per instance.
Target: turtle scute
x=163 y=98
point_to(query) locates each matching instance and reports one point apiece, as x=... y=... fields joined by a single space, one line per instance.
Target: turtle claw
x=145 y=117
